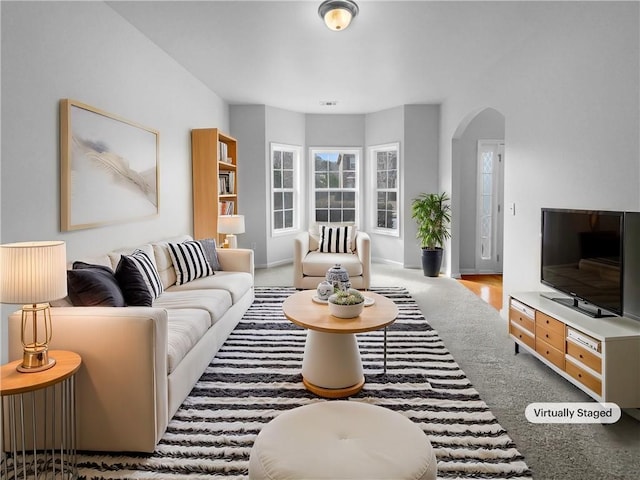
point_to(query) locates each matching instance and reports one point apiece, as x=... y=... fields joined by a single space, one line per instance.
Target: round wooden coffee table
x=332 y=367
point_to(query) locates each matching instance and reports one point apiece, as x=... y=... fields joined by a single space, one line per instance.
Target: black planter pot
x=431 y=262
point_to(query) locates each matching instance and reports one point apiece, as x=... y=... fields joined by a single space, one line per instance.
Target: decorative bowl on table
x=346 y=303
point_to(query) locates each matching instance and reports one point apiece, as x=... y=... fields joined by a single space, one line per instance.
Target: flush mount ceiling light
x=337 y=14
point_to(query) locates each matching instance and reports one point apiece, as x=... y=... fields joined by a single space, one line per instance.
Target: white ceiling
x=281 y=54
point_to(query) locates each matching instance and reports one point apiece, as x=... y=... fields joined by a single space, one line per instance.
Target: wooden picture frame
x=109 y=170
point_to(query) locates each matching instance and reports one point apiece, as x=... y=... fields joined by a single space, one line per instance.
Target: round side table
x=331 y=366
x=38 y=419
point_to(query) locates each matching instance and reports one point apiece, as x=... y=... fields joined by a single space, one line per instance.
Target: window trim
x=373 y=183
x=297 y=198
x=357 y=151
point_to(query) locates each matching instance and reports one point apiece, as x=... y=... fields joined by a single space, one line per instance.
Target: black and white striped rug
x=256 y=375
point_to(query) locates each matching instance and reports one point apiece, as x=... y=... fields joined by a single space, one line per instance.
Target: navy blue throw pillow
x=134 y=288
x=93 y=286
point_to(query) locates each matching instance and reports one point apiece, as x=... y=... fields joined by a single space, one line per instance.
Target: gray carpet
x=476 y=336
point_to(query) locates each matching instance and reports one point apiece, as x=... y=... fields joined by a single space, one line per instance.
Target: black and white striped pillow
x=138 y=278
x=189 y=261
x=335 y=239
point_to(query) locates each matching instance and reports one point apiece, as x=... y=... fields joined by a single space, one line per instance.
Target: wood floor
x=487 y=287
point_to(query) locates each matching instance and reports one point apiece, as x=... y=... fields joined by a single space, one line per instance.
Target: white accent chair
x=310 y=266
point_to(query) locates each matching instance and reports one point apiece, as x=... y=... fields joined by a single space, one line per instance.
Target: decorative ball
x=324 y=290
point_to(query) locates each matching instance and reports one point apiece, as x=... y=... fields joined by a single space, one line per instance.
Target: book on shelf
x=226 y=208
x=226 y=183
x=223 y=153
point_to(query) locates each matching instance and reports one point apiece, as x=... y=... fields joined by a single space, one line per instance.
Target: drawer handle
x=579 y=375
x=581 y=356
x=547 y=322
x=546 y=335
x=547 y=352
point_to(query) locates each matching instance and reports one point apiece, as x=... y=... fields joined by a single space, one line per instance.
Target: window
x=489 y=225
x=386 y=190
x=335 y=185
x=486 y=203
x=285 y=162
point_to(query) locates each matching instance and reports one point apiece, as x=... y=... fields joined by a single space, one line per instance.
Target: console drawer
x=583 y=355
x=551 y=353
x=549 y=323
x=551 y=337
x=584 y=377
x=521 y=320
x=522 y=335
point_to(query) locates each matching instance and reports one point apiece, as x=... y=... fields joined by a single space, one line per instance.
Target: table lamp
x=32 y=274
x=231 y=224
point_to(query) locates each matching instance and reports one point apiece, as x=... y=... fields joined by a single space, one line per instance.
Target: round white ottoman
x=341 y=440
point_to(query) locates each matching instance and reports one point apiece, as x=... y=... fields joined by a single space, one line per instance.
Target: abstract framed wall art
x=109 y=168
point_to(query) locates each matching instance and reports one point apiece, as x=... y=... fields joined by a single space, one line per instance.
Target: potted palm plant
x=432 y=213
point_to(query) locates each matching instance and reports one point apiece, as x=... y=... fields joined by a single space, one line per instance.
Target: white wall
x=247 y=125
x=256 y=127
x=381 y=128
x=570 y=99
x=87 y=52
x=285 y=127
x=325 y=130
x=421 y=152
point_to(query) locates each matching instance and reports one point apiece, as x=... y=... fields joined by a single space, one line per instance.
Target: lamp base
x=35 y=361
x=232 y=240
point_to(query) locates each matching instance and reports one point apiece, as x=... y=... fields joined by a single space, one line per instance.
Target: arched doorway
x=478 y=163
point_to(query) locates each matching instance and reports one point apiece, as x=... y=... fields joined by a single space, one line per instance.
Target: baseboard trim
x=387 y=262
x=274 y=264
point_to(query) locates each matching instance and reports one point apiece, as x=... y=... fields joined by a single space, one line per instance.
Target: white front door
x=490 y=210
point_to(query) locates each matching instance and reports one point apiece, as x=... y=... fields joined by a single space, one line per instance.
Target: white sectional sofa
x=139 y=363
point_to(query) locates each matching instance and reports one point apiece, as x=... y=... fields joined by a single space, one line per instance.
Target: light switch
x=512 y=208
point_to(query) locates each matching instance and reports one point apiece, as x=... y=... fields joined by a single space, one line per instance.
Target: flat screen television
x=581 y=256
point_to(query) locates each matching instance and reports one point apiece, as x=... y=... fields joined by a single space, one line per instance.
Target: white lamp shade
x=231 y=224
x=33 y=272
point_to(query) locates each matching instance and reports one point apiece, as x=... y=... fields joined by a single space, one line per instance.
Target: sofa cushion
x=335 y=239
x=236 y=283
x=115 y=255
x=215 y=302
x=189 y=261
x=163 y=260
x=316 y=264
x=93 y=286
x=185 y=328
x=138 y=279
